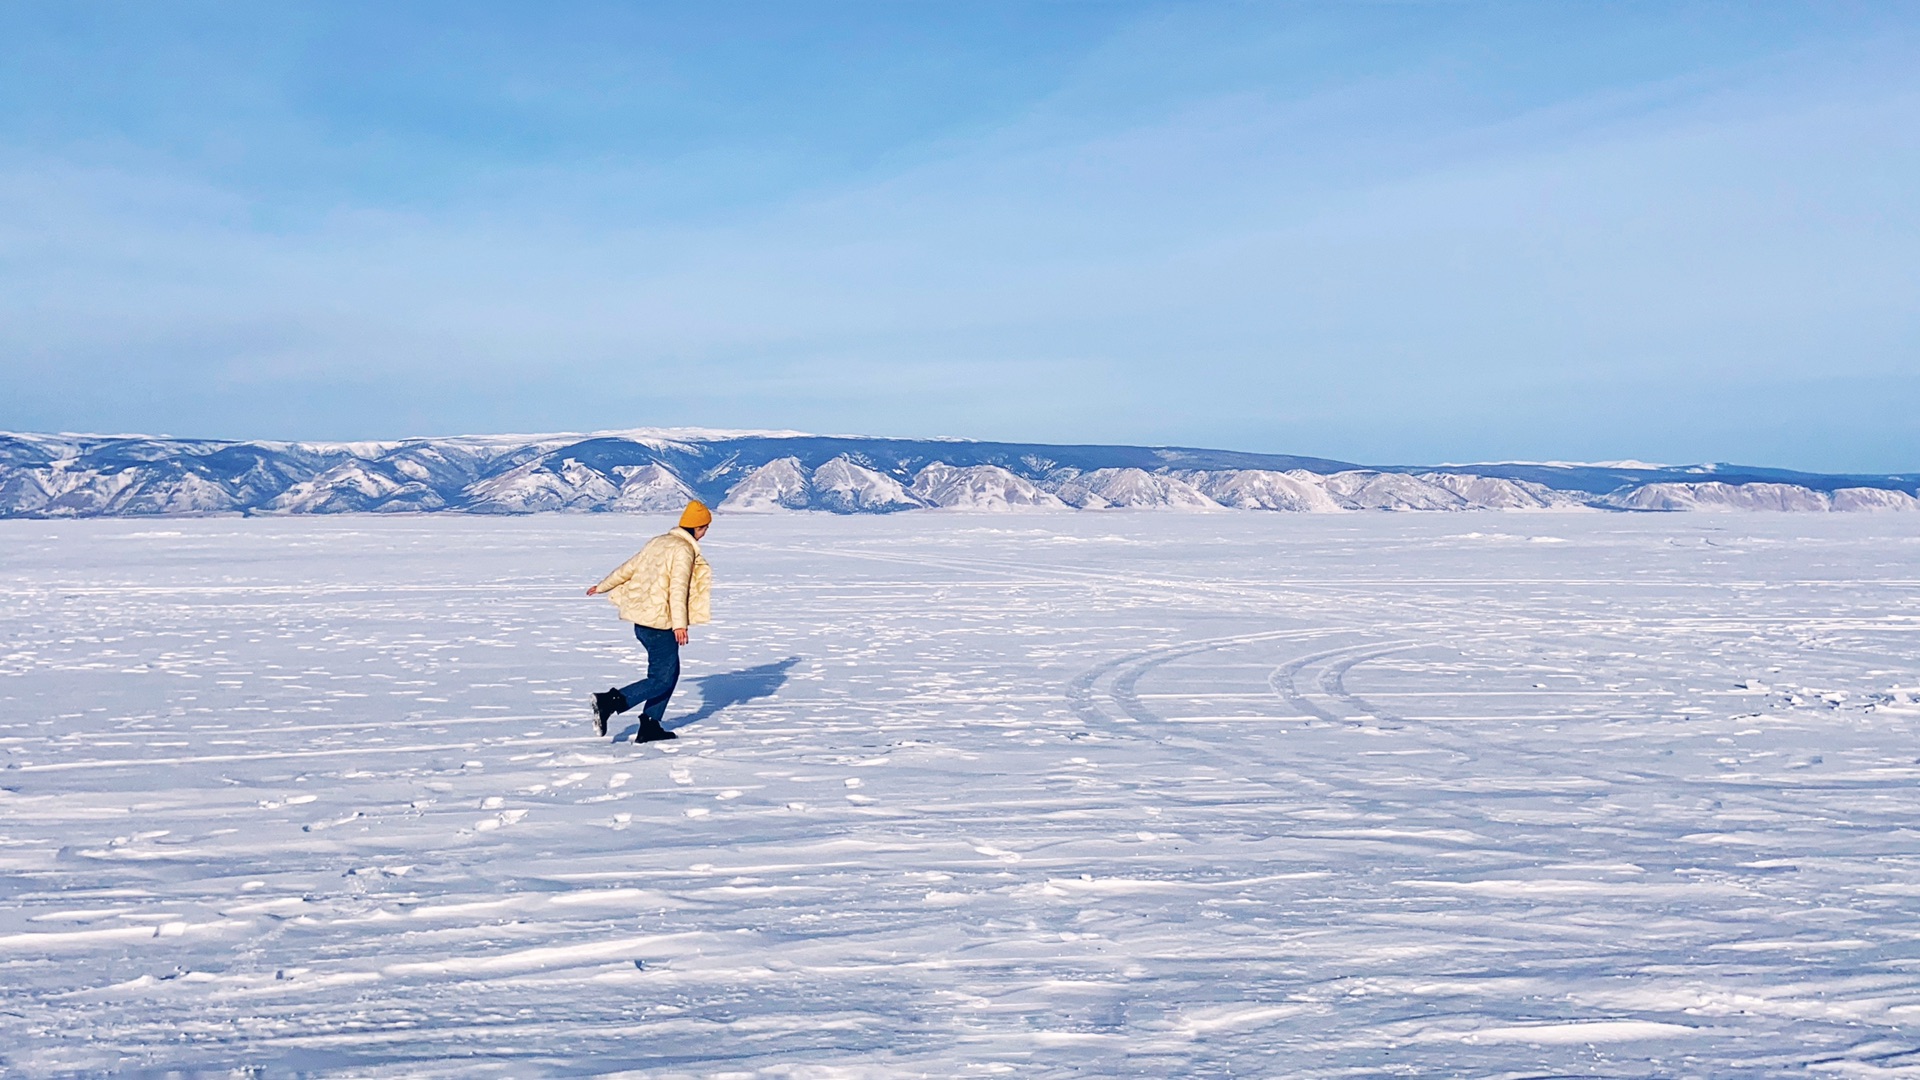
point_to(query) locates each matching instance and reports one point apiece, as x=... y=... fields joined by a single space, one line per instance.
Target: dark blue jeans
x=663 y=672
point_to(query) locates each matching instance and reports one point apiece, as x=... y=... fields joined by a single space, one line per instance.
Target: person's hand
x=680 y=635
x=591 y=589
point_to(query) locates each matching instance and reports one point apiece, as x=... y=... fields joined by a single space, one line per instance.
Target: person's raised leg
x=606 y=703
x=615 y=700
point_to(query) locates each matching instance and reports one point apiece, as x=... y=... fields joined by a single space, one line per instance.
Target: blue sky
x=1384 y=232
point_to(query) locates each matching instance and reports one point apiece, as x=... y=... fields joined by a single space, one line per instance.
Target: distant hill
x=655 y=470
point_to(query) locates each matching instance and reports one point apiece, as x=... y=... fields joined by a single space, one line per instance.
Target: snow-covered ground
x=1046 y=795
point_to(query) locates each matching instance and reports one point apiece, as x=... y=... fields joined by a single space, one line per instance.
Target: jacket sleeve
x=700 y=595
x=679 y=584
x=619 y=576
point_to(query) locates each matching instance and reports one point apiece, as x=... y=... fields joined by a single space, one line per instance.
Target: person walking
x=665 y=588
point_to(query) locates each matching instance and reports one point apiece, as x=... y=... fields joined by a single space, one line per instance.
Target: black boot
x=604 y=706
x=650 y=730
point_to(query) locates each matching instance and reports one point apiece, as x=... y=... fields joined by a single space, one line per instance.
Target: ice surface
x=1053 y=795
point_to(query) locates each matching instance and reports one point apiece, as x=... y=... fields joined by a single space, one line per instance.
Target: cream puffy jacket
x=667 y=585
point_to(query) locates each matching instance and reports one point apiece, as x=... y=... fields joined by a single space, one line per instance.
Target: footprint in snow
x=319 y=826
x=503 y=818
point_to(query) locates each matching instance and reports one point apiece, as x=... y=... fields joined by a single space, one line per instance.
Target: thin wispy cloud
x=1392 y=232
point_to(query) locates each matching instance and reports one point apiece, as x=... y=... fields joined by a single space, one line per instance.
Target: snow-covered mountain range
x=657 y=470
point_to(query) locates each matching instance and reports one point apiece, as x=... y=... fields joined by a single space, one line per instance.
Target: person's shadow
x=730 y=688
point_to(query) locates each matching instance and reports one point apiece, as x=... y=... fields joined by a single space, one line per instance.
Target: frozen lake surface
x=1038 y=795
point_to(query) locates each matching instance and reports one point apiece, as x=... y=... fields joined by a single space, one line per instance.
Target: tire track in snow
x=1332 y=702
x=1081 y=692
x=1332 y=680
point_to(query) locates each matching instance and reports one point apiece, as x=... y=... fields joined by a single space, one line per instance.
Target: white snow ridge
x=1493 y=493
x=543 y=485
x=848 y=487
x=353 y=486
x=979 y=487
x=650 y=489
x=1264 y=489
x=1364 y=490
x=1132 y=488
x=777 y=485
x=1717 y=496
x=654 y=470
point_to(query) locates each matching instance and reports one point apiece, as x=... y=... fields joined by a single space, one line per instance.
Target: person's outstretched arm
x=619 y=576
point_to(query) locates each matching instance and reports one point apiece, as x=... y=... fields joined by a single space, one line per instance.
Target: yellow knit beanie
x=695 y=515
